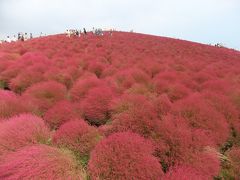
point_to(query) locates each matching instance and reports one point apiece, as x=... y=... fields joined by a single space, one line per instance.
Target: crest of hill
x=124 y=46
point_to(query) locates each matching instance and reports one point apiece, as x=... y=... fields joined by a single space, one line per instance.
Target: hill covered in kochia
x=126 y=106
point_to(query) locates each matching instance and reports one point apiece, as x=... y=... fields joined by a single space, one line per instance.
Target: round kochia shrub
x=11 y=104
x=183 y=173
x=234 y=157
x=78 y=136
x=82 y=86
x=162 y=104
x=96 y=105
x=39 y=162
x=124 y=156
x=22 y=130
x=199 y=114
x=177 y=143
x=134 y=113
x=60 y=113
x=45 y=94
x=24 y=80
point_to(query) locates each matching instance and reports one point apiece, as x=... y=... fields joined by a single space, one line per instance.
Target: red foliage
x=162 y=104
x=175 y=91
x=234 y=157
x=134 y=113
x=82 y=86
x=78 y=136
x=217 y=86
x=96 y=68
x=11 y=104
x=129 y=81
x=24 y=80
x=223 y=105
x=177 y=143
x=183 y=173
x=60 y=113
x=207 y=163
x=126 y=78
x=199 y=114
x=124 y=156
x=31 y=61
x=64 y=76
x=45 y=94
x=39 y=161
x=20 y=131
x=96 y=105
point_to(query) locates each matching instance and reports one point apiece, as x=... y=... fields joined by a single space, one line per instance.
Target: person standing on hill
x=8 y=39
x=84 y=31
x=14 y=39
x=25 y=36
x=77 y=32
x=19 y=36
x=22 y=37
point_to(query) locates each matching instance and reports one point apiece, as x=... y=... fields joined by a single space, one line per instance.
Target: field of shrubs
x=122 y=107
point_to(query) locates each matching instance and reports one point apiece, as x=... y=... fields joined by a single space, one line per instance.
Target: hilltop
x=120 y=106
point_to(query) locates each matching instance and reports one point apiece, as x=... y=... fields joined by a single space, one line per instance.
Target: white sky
x=206 y=21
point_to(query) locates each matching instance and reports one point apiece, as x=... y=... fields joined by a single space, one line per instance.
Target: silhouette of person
x=84 y=31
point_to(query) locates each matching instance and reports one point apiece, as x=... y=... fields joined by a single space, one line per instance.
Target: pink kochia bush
x=82 y=86
x=199 y=114
x=234 y=157
x=60 y=113
x=11 y=104
x=45 y=94
x=162 y=104
x=39 y=162
x=134 y=113
x=78 y=136
x=24 y=80
x=177 y=143
x=22 y=130
x=96 y=105
x=124 y=156
x=184 y=173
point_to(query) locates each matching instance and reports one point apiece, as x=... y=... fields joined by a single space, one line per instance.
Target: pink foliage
x=61 y=75
x=124 y=156
x=11 y=104
x=78 y=136
x=224 y=105
x=175 y=91
x=82 y=86
x=20 y=131
x=96 y=105
x=162 y=104
x=45 y=94
x=182 y=96
x=183 y=173
x=96 y=68
x=207 y=163
x=134 y=113
x=24 y=80
x=126 y=78
x=199 y=114
x=60 y=113
x=177 y=143
x=234 y=156
x=39 y=161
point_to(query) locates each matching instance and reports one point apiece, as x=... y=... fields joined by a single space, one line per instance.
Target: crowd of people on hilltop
x=19 y=37
x=69 y=32
x=84 y=32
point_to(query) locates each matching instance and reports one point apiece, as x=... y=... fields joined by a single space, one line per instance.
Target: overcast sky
x=205 y=21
